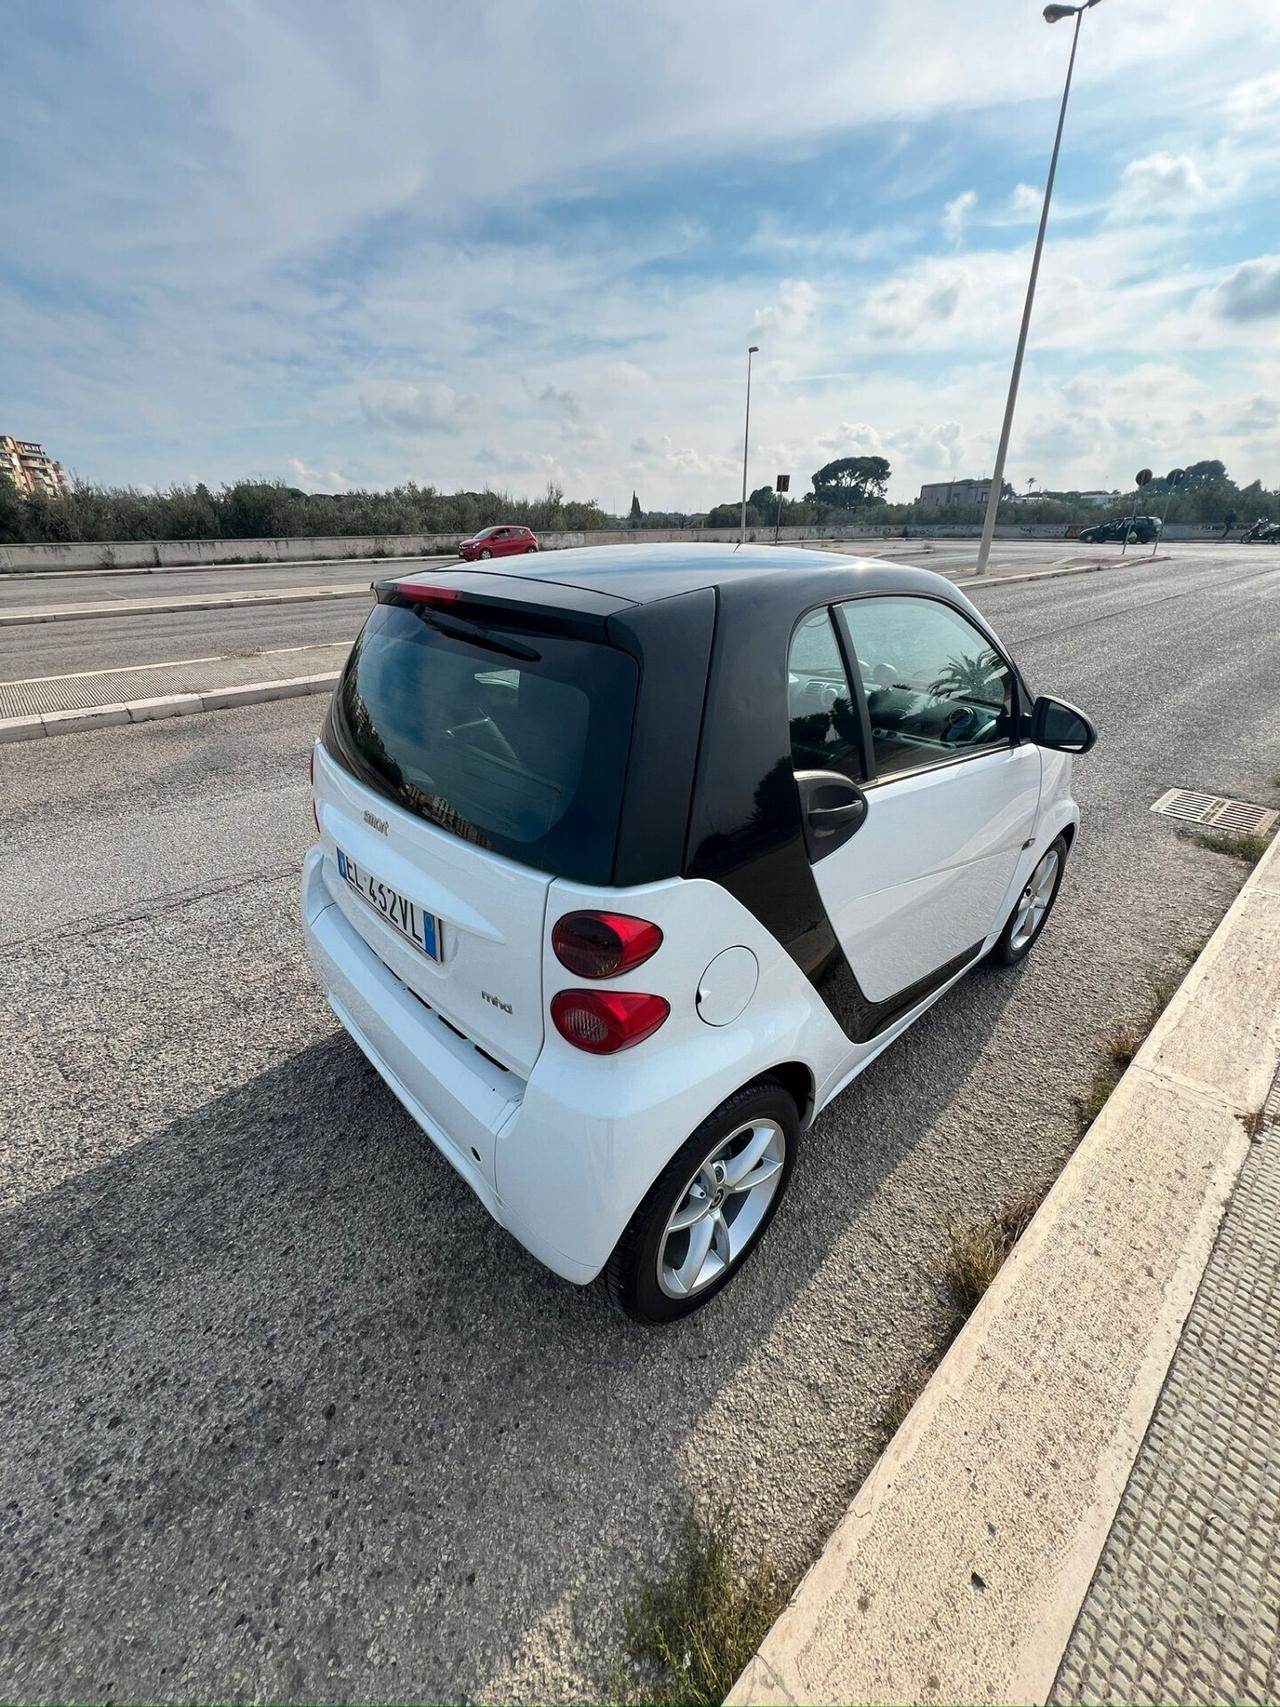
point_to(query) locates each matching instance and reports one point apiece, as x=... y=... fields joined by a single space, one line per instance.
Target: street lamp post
x=753 y=349
x=1172 y=480
x=1052 y=15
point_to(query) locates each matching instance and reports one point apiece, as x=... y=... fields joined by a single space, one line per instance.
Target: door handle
x=833 y=809
x=827 y=818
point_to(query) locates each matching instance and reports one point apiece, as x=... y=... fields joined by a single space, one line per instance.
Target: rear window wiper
x=458 y=628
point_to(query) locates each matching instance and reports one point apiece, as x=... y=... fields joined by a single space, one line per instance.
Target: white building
x=943 y=492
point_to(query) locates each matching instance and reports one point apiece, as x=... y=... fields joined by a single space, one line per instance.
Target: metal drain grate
x=1214 y=812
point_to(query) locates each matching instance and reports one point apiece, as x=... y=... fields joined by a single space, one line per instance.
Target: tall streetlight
x=1052 y=15
x=752 y=350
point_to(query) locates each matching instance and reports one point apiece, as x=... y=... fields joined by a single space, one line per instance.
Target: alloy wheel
x=1034 y=901
x=721 y=1209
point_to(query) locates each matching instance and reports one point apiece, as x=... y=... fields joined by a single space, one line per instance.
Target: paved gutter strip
x=171 y=705
x=960 y=1568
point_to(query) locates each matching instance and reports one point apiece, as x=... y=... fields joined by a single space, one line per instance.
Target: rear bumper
x=460 y=1099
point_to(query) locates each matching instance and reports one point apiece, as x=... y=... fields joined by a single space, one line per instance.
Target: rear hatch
x=469 y=758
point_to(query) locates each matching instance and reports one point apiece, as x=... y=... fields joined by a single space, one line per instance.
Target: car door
x=913 y=692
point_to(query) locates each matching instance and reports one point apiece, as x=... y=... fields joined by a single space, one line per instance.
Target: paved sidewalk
x=1084 y=1503
x=1185 y=1603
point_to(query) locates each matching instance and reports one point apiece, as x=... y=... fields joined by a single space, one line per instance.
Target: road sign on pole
x=1141 y=478
x=783 y=485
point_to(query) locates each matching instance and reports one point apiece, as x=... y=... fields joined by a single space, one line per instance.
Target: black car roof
x=644 y=574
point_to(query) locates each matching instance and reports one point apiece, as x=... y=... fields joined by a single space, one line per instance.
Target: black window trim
x=852 y=681
x=848 y=648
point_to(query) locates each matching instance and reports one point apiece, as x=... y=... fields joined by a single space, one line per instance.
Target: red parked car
x=498 y=542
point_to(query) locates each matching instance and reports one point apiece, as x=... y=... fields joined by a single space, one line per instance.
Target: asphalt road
x=111 y=586
x=46 y=649
x=59 y=648
x=286 y=1416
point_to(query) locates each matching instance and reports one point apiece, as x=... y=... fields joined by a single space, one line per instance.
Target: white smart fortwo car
x=631 y=858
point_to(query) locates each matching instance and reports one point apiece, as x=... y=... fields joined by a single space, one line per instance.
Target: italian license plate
x=414 y=923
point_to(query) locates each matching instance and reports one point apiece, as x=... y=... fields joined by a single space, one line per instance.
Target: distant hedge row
x=268 y=509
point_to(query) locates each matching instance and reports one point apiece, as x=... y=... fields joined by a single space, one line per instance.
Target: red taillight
x=602 y=945
x=604 y=1021
x=419 y=594
x=314 y=813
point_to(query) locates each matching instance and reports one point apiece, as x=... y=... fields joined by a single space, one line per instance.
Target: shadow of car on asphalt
x=297 y=1419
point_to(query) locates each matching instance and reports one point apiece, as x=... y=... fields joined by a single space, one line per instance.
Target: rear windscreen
x=523 y=755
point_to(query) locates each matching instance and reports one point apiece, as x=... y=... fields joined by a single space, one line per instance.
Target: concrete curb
x=197 y=601
x=168 y=705
x=959 y=1569
x=1053 y=574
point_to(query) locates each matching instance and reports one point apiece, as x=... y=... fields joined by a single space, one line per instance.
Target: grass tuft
x=1118 y=1050
x=689 y=1636
x=1248 y=849
x=978 y=1250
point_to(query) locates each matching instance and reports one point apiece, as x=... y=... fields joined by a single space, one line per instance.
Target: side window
x=825 y=733
x=935 y=687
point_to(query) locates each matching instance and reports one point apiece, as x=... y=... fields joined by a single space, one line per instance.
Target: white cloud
x=1161 y=186
x=1025 y=202
x=919 y=302
x=395 y=407
x=1259 y=415
x=940 y=445
x=956 y=213
x=851 y=438
x=790 y=314
x=628 y=376
x=317 y=479
x=292 y=240
x=1252 y=292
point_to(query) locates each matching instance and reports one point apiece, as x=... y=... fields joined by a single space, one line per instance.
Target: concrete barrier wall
x=159 y=553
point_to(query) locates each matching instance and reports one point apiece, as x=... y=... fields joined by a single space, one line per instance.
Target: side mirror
x=1061 y=727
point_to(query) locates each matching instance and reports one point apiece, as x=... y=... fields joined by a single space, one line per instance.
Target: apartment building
x=29 y=468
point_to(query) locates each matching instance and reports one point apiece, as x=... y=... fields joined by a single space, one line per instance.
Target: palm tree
x=971 y=678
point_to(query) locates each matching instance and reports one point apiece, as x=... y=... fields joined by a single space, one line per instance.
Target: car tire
x=1030 y=915
x=643 y=1277
x=486 y=552
x=529 y=549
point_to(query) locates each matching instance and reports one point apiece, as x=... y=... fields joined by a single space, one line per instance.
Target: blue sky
x=506 y=243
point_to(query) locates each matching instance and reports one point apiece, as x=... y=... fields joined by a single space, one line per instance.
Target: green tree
x=635 y=517
x=1204 y=473
x=13 y=512
x=851 y=482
